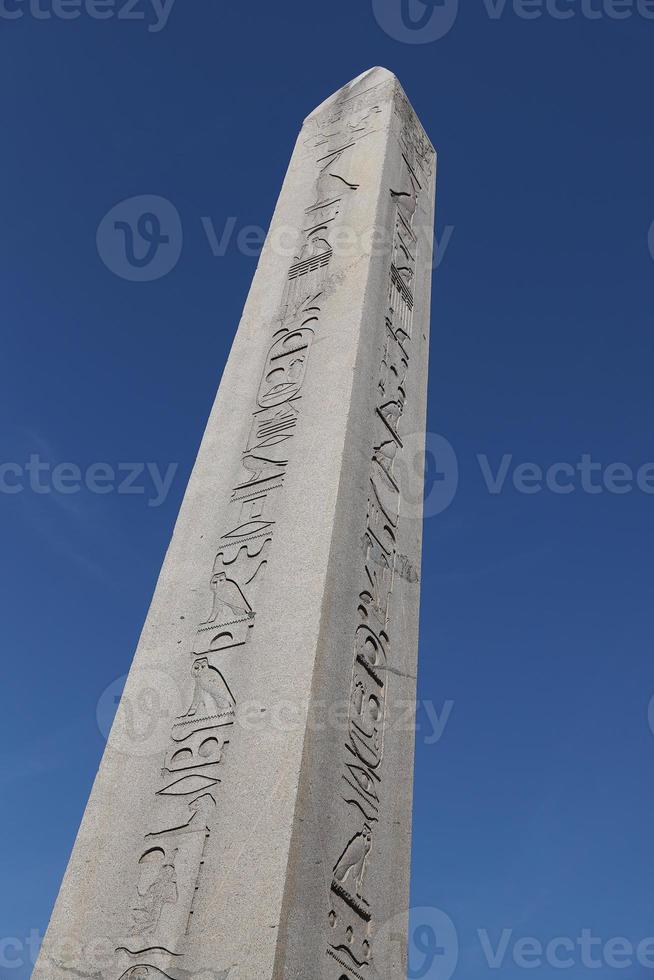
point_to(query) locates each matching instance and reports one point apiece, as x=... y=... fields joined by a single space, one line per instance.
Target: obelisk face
x=265 y=831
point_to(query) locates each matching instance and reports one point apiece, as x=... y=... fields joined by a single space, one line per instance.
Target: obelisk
x=261 y=827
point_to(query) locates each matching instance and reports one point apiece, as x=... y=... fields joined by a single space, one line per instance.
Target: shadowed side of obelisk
x=347 y=887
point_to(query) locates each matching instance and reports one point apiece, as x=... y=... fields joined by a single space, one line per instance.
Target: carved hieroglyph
x=249 y=845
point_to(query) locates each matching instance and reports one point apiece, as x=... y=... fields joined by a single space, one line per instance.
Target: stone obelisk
x=259 y=825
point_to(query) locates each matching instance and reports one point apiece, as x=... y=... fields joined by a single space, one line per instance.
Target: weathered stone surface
x=259 y=827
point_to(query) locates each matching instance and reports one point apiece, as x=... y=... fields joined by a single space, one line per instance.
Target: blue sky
x=533 y=811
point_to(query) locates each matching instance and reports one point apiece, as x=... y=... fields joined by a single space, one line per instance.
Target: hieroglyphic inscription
x=350 y=913
x=348 y=118
x=415 y=143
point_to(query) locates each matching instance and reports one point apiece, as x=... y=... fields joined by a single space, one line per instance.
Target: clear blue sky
x=534 y=811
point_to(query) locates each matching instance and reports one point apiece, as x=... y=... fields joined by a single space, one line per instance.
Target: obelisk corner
x=370 y=90
x=371 y=78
